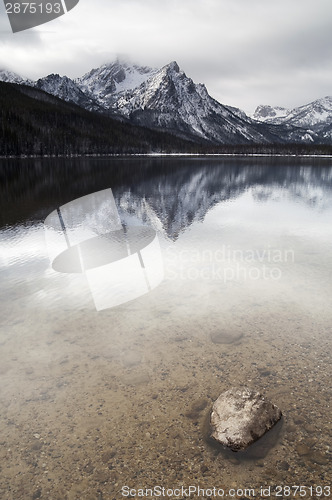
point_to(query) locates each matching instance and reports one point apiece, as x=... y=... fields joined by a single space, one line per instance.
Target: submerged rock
x=241 y=416
x=136 y=379
x=302 y=449
x=131 y=358
x=226 y=337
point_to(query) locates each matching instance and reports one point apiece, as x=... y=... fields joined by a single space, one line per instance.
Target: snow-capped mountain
x=170 y=100
x=67 y=90
x=315 y=115
x=10 y=77
x=105 y=83
x=269 y=114
x=167 y=99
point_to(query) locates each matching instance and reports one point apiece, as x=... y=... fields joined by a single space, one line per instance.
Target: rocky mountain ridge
x=316 y=116
x=167 y=99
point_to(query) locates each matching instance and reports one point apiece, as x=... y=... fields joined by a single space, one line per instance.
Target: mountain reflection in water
x=170 y=194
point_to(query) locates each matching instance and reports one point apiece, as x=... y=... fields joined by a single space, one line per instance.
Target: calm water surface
x=91 y=402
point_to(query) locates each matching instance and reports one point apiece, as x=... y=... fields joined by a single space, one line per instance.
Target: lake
x=106 y=393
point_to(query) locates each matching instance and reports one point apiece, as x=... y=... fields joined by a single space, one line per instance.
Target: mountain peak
x=267 y=113
x=54 y=79
x=111 y=79
x=173 y=66
x=53 y=76
x=65 y=88
x=11 y=77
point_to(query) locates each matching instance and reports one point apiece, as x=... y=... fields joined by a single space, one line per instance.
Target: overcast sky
x=247 y=52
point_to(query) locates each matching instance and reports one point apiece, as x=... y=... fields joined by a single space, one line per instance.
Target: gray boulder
x=240 y=416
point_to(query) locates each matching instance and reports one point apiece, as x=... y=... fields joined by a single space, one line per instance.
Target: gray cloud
x=246 y=53
x=16 y=50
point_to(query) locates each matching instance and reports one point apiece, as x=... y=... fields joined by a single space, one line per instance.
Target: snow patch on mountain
x=269 y=114
x=315 y=115
x=110 y=80
x=10 y=77
x=67 y=90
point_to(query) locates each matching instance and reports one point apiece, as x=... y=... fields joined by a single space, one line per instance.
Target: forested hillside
x=33 y=122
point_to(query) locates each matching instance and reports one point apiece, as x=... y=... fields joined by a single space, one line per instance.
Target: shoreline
x=162 y=155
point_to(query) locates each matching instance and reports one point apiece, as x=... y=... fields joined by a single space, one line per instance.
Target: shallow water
x=91 y=402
